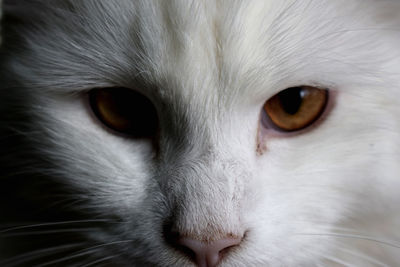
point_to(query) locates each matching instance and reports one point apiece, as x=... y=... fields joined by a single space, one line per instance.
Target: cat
x=200 y=133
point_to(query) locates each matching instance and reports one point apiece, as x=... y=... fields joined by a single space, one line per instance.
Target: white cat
x=200 y=133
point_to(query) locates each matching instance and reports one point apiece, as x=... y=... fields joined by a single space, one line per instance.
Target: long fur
x=73 y=193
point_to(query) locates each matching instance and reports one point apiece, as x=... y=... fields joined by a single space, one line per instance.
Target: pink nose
x=208 y=254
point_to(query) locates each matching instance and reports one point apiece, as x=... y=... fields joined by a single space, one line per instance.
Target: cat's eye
x=295 y=108
x=125 y=110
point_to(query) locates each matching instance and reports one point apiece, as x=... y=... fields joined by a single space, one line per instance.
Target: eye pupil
x=291 y=99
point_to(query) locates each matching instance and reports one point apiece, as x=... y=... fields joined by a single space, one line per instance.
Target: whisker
x=100 y=261
x=363 y=256
x=355 y=236
x=26 y=257
x=66 y=258
x=332 y=259
x=111 y=243
x=47 y=232
x=51 y=224
x=83 y=252
x=336 y=260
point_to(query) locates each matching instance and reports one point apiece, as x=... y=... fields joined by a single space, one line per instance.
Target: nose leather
x=209 y=254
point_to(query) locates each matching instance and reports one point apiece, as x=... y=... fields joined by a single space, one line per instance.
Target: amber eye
x=295 y=108
x=125 y=110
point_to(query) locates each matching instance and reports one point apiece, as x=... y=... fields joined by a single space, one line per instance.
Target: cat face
x=160 y=133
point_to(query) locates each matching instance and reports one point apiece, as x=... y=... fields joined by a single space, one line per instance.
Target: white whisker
x=47 y=232
x=52 y=224
x=100 y=261
x=363 y=256
x=354 y=236
x=37 y=254
x=333 y=259
x=83 y=252
x=66 y=258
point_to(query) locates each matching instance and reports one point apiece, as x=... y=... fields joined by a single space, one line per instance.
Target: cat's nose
x=210 y=253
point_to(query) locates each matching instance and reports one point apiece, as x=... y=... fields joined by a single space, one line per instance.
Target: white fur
x=328 y=196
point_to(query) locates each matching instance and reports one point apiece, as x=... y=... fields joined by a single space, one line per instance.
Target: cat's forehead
x=213 y=49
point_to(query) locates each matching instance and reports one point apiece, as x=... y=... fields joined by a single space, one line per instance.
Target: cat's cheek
x=113 y=168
